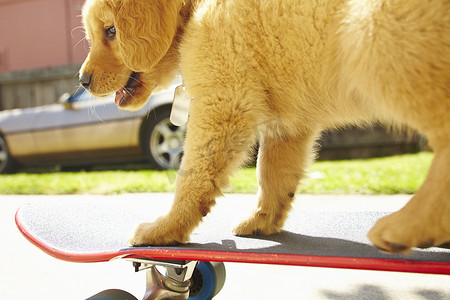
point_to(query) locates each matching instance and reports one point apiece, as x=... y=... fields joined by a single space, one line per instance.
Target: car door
x=84 y=124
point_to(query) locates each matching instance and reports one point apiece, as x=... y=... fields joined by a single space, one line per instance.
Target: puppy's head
x=133 y=48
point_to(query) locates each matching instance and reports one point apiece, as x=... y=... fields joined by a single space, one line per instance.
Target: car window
x=82 y=96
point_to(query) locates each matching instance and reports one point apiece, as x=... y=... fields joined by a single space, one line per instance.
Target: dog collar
x=179 y=114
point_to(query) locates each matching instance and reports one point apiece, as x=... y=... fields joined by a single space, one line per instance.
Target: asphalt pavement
x=27 y=273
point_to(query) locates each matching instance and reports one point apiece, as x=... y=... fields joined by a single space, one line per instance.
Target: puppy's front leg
x=219 y=132
x=281 y=163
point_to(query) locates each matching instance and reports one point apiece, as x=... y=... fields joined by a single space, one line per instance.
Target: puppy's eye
x=110 y=32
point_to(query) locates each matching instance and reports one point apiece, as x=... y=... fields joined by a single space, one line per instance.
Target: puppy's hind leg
x=402 y=64
x=281 y=163
x=425 y=220
x=219 y=132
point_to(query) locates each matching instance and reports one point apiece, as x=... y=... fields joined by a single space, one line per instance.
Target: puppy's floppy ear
x=145 y=30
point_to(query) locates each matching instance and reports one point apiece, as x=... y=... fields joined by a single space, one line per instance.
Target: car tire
x=162 y=141
x=7 y=163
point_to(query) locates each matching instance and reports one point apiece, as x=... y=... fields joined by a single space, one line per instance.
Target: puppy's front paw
x=159 y=233
x=257 y=224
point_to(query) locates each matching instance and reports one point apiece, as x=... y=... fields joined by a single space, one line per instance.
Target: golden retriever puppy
x=280 y=72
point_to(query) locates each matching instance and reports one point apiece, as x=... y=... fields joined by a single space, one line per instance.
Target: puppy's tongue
x=120 y=96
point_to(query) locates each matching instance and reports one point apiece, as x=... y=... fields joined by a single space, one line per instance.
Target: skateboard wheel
x=207 y=280
x=112 y=294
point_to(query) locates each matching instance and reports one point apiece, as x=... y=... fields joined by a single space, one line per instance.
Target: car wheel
x=163 y=141
x=7 y=163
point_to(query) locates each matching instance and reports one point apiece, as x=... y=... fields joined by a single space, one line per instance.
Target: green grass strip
x=391 y=175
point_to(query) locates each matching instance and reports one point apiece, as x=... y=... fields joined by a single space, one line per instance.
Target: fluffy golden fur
x=281 y=71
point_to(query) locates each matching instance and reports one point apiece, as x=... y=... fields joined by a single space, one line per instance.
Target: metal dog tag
x=180 y=106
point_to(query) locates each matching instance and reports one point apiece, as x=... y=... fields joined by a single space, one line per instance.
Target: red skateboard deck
x=95 y=232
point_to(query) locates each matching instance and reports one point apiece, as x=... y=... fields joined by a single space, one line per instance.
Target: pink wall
x=40 y=33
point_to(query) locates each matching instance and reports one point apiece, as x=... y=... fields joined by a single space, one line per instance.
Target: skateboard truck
x=173 y=285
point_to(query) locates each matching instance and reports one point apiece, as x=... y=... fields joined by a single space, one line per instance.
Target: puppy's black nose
x=85 y=81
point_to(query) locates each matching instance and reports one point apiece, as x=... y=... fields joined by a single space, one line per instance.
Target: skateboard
x=87 y=232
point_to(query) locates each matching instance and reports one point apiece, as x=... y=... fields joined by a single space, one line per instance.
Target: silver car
x=82 y=130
